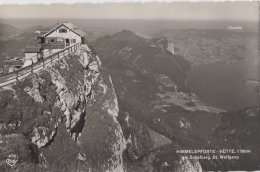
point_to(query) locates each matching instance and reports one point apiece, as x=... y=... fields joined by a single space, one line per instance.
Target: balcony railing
x=51 y=46
x=14 y=76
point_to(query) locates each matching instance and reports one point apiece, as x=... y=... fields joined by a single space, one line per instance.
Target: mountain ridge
x=8 y=30
x=130 y=48
x=158 y=101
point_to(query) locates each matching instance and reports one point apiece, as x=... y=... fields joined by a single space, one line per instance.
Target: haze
x=246 y=11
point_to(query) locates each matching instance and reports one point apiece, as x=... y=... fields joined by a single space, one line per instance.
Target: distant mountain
x=207 y=46
x=137 y=66
x=8 y=30
x=144 y=55
x=36 y=28
x=15 y=45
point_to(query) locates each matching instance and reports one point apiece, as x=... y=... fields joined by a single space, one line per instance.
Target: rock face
x=65 y=116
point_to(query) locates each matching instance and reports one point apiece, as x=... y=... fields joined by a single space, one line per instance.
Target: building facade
x=63 y=35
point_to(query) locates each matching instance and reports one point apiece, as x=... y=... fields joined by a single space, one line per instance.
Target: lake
x=221 y=85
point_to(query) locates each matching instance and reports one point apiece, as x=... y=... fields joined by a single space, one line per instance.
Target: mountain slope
x=127 y=48
x=36 y=28
x=241 y=130
x=155 y=106
x=15 y=46
x=63 y=118
x=8 y=30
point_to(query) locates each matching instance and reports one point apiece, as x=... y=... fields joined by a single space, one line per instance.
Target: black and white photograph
x=130 y=86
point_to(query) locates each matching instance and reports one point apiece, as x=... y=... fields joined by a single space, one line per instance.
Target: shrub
x=190 y=104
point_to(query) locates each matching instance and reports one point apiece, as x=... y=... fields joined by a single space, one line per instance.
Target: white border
x=25 y=2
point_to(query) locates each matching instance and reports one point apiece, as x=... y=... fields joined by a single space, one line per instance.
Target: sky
x=246 y=11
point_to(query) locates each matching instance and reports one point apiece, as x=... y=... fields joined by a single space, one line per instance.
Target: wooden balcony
x=51 y=46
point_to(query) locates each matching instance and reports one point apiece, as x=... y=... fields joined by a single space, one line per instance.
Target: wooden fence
x=14 y=76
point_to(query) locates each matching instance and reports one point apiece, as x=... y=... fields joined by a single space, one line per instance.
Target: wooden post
x=32 y=68
x=58 y=55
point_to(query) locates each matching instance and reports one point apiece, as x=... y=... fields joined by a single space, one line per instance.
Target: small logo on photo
x=12 y=159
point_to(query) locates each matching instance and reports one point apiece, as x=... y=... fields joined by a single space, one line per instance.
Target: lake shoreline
x=230 y=77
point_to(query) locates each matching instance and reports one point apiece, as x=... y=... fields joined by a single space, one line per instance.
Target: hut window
x=52 y=40
x=73 y=40
x=63 y=30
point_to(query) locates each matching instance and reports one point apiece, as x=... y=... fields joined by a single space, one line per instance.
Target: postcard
x=131 y=86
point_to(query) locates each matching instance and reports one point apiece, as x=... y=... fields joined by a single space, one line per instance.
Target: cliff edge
x=62 y=118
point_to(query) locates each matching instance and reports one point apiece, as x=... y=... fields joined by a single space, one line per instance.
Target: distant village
x=65 y=34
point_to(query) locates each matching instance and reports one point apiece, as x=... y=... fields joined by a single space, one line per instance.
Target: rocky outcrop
x=185 y=164
x=69 y=112
x=253 y=83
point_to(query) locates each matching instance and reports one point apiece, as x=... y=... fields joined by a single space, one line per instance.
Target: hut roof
x=14 y=62
x=75 y=28
x=70 y=26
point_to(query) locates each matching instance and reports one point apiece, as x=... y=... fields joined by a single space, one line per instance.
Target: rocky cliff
x=65 y=118
x=62 y=118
